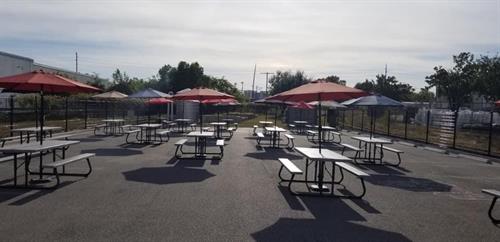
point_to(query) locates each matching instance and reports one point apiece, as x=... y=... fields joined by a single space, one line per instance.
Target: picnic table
x=300 y=124
x=113 y=125
x=327 y=135
x=275 y=135
x=370 y=147
x=28 y=149
x=35 y=130
x=200 y=142
x=218 y=128
x=313 y=155
x=148 y=132
x=182 y=124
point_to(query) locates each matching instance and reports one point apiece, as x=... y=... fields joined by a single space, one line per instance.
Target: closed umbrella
x=318 y=91
x=43 y=82
x=201 y=95
x=372 y=102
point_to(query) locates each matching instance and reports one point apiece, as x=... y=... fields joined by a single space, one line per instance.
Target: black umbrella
x=372 y=102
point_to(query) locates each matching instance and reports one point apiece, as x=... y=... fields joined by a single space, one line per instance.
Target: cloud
x=352 y=39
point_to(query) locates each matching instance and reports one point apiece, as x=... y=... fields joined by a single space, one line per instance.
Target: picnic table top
x=182 y=120
x=324 y=155
x=265 y=122
x=275 y=129
x=36 y=146
x=300 y=122
x=37 y=129
x=218 y=123
x=200 y=134
x=372 y=140
x=148 y=125
x=113 y=120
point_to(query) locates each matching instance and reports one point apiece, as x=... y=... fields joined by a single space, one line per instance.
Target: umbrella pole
x=42 y=115
x=201 y=117
x=319 y=122
x=149 y=111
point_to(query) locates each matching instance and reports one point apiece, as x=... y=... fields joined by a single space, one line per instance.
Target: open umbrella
x=372 y=102
x=201 y=95
x=149 y=93
x=111 y=95
x=318 y=91
x=42 y=82
x=327 y=104
x=302 y=105
x=222 y=102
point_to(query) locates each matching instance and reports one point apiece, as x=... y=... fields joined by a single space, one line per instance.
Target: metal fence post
x=11 y=115
x=427 y=125
x=66 y=114
x=352 y=119
x=455 y=129
x=406 y=123
x=388 y=122
x=86 y=112
x=35 y=109
x=362 y=118
x=490 y=133
x=343 y=119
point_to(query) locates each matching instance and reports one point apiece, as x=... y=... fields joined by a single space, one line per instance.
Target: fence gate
x=445 y=124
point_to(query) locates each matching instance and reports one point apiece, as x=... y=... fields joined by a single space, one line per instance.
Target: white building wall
x=12 y=64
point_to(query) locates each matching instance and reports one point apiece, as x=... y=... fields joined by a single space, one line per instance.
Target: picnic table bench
x=496 y=195
x=66 y=161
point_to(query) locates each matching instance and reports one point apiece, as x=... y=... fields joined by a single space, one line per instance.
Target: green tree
x=124 y=84
x=388 y=86
x=332 y=78
x=98 y=82
x=488 y=78
x=424 y=95
x=286 y=80
x=458 y=83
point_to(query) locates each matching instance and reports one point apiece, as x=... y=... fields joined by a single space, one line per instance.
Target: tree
x=367 y=86
x=388 y=86
x=488 y=78
x=124 y=84
x=98 y=82
x=283 y=81
x=332 y=78
x=458 y=83
x=424 y=95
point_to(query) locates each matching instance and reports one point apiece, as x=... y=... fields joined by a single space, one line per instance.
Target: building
x=256 y=94
x=11 y=64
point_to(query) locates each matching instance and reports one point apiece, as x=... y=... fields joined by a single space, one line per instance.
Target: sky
x=351 y=39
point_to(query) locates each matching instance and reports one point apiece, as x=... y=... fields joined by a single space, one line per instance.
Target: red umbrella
x=40 y=81
x=302 y=105
x=202 y=95
x=221 y=101
x=319 y=91
x=497 y=103
x=159 y=100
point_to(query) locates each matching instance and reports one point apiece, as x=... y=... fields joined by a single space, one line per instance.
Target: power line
x=267 y=79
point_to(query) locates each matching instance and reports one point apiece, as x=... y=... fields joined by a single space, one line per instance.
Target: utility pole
x=76 y=61
x=267 y=79
x=253 y=82
x=385 y=72
x=241 y=87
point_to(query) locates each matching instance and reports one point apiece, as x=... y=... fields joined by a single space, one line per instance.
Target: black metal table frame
x=148 y=133
x=37 y=135
x=200 y=150
x=113 y=128
x=28 y=172
x=319 y=169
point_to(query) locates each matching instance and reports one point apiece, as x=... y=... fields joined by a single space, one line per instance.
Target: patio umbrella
x=149 y=93
x=201 y=95
x=270 y=101
x=223 y=102
x=318 y=91
x=302 y=105
x=327 y=104
x=111 y=95
x=372 y=102
x=42 y=82
x=159 y=101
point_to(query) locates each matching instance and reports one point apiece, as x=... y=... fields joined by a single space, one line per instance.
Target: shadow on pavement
x=333 y=222
x=413 y=184
x=167 y=175
x=113 y=152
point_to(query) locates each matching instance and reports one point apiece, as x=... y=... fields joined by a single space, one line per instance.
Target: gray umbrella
x=148 y=94
x=373 y=102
